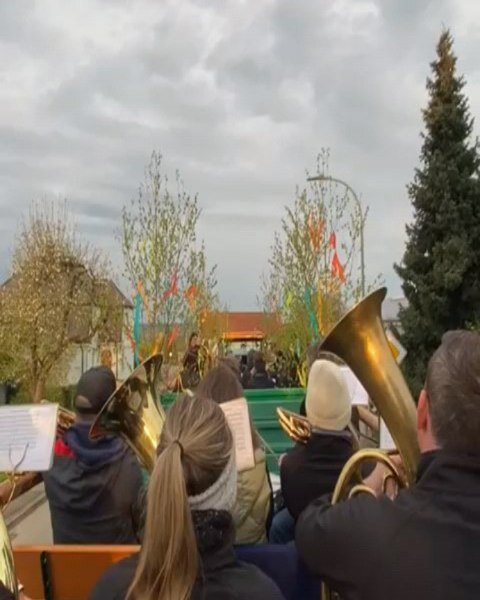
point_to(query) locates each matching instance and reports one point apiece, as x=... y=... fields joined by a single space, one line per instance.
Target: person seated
x=93 y=486
x=311 y=469
x=253 y=507
x=260 y=378
x=187 y=550
x=424 y=543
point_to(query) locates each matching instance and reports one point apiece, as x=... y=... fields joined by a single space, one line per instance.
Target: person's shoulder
x=245 y=580
x=294 y=457
x=115 y=581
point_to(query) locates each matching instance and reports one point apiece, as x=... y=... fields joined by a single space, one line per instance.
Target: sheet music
x=358 y=393
x=236 y=413
x=386 y=440
x=27 y=436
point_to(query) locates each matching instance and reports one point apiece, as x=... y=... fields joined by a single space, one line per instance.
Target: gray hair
x=453 y=390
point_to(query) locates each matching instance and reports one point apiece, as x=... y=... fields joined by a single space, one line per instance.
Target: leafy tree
x=314 y=265
x=57 y=295
x=163 y=259
x=441 y=264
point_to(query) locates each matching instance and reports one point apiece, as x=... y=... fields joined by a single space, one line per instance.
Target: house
x=87 y=350
x=239 y=326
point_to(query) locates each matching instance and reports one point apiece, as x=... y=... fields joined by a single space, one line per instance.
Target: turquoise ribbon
x=136 y=328
x=307 y=296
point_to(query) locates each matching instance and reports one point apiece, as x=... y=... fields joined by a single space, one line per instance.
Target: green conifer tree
x=441 y=265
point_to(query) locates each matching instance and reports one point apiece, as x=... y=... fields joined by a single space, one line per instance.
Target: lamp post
x=362 y=224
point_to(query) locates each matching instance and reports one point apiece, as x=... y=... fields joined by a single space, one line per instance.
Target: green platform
x=263 y=405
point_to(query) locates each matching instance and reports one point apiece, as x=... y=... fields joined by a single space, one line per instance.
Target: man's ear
x=422 y=411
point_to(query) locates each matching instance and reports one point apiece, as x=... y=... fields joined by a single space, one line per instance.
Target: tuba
x=359 y=340
x=133 y=411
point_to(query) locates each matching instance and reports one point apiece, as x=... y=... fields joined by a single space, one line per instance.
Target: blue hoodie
x=94 y=489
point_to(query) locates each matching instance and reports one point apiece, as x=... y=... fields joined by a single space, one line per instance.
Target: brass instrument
x=134 y=411
x=359 y=340
x=295 y=426
x=298 y=428
x=65 y=419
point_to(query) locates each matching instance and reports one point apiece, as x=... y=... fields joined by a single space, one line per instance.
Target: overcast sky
x=239 y=95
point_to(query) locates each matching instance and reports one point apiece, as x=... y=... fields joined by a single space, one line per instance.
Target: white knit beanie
x=327 y=403
x=222 y=494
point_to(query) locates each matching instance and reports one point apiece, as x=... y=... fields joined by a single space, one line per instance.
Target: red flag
x=191 y=294
x=132 y=343
x=173 y=336
x=173 y=289
x=337 y=268
x=332 y=241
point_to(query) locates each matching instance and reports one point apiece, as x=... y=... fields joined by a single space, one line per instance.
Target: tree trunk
x=37 y=390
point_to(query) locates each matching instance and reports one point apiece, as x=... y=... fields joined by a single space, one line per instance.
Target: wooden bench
x=64 y=572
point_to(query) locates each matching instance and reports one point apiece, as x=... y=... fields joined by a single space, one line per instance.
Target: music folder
x=27 y=437
x=238 y=418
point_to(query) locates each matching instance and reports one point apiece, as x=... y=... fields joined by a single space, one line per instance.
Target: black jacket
x=5 y=594
x=310 y=470
x=93 y=490
x=221 y=577
x=261 y=381
x=423 y=545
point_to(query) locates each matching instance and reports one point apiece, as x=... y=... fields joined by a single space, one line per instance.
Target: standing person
x=106 y=358
x=260 y=377
x=191 y=368
x=426 y=542
x=93 y=486
x=187 y=551
x=247 y=370
x=253 y=507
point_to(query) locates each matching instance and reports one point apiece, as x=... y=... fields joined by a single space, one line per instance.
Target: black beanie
x=94 y=388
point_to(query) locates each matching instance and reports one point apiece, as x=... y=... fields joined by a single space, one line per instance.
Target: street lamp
x=362 y=224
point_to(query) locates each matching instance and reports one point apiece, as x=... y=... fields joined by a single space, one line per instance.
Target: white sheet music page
x=386 y=440
x=236 y=413
x=27 y=436
x=358 y=393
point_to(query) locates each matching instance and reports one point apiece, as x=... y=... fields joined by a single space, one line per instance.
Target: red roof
x=237 y=326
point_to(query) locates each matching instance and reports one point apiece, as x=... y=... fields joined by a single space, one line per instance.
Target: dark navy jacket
x=94 y=490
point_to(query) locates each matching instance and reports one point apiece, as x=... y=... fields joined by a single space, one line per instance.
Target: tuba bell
x=133 y=411
x=359 y=340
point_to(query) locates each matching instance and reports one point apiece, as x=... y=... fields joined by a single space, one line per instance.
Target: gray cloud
x=239 y=96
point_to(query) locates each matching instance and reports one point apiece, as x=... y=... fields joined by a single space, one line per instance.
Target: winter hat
x=94 y=388
x=327 y=402
x=222 y=494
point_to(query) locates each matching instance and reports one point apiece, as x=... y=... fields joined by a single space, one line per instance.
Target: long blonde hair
x=194 y=449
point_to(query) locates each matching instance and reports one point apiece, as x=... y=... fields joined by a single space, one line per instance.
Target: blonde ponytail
x=194 y=448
